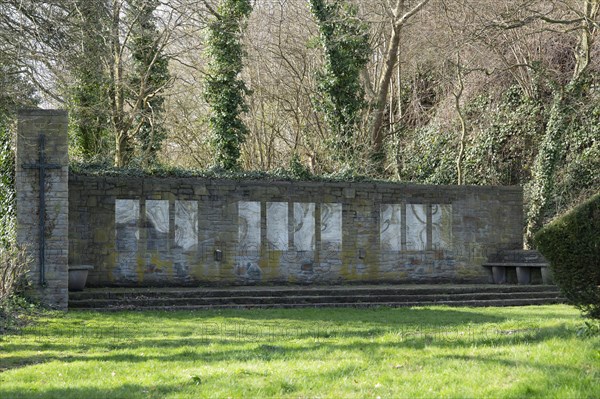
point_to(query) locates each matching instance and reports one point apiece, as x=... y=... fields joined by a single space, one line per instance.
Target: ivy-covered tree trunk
x=544 y=167
x=149 y=78
x=224 y=89
x=89 y=98
x=346 y=45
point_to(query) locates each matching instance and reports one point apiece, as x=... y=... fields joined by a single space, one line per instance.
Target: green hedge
x=571 y=244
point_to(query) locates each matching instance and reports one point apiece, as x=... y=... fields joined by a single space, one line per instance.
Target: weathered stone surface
x=51 y=285
x=278 y=232
x=304 y=226
x=277 y=226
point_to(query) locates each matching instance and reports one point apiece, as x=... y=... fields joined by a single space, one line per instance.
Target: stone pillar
x=49 y=274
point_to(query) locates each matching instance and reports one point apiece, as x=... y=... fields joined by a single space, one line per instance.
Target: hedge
x=571 y=244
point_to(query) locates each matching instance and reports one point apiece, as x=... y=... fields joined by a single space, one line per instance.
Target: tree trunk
x=386 y=77
x=588 y=31
x=384 y=86
x=117 y=90
x=463 y=128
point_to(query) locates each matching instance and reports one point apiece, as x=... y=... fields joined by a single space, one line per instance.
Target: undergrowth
x=295 y=172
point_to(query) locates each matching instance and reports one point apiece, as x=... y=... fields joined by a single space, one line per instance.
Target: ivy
x=568 y=130
x=7 y=185
x=346 y=46
x=150 y=72
x=295 y=172
x=15 y=93
x=89 y=107
x=224 y=89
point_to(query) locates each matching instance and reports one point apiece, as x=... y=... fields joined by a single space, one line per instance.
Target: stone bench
x=523 y=271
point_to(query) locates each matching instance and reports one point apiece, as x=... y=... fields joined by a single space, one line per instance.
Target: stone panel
x=304 y=226
x=416 y=227
x=390 y=227
x=277 y=226
x=186 y=225
x=127 y=235
x=157 y=225
x=441 y=216
x=331 y=227
x=249 y=225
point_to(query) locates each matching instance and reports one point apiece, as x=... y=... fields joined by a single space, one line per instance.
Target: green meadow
x=425 y=352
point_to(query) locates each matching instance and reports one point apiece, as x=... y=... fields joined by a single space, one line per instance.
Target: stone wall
x=49 y=282
x=190 y=231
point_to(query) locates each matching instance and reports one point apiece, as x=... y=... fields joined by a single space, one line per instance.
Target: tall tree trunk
x=384 y=86
x=384 y=82
x=588 y=31
x=463 y=127
x=122 y=145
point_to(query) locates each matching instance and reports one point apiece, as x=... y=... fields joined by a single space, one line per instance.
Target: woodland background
x=502 y=92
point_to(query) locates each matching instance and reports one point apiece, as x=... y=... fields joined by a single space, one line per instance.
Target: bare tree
x=399 y=18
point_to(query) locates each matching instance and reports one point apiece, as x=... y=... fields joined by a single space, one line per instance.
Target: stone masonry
x=50 y=286
x=147 y=231
x=190 y=231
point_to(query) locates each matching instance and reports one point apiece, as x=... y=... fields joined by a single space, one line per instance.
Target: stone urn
x=77 y=276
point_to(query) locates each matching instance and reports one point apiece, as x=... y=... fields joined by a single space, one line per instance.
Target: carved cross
x=42 y=166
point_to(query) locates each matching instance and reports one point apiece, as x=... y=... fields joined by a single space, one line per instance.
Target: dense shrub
x=572 y=246
x=13 y=270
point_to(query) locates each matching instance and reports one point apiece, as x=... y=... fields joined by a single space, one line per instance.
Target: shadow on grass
x=271 y=348
x=377 y=315
x=123 y=391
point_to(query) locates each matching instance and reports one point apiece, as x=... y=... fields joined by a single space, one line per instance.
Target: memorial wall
x=193 y=231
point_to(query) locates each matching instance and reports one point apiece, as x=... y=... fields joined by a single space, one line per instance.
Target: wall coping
x=287 y=183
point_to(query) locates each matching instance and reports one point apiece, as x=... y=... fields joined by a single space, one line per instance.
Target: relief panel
x=277 y=225
x=186 y=225
x=249 y=226
x=390 y=227
x=331 y=227
x=304 y=226
x=416 y=227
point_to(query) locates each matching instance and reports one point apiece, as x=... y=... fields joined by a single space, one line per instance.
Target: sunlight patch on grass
x=418 y=352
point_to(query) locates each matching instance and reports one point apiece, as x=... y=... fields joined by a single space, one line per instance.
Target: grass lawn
x=416 y=352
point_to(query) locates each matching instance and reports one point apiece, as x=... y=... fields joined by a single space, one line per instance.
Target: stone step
x=333 y=298
x=203 y=292
x=480 y=303
x=168 y=301
x=251 y=297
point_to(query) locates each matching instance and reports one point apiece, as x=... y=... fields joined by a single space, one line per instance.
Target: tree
x=346 y=45
x=150 y=75
x=80 y=53
x=135 y=40
x=89 y=111
x=224 y=89
x=399 y=19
